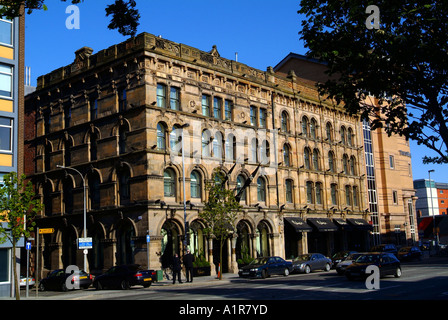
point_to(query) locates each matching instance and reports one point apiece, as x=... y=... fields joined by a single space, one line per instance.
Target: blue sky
x=262 y=32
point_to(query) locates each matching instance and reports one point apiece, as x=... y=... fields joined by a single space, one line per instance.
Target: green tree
x=220 y=211
x=403 y=63
x=18 y=207
x=124 y=16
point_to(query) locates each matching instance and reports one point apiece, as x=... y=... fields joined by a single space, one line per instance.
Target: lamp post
x=85 y=223
x=186 y=125
x=432 y=209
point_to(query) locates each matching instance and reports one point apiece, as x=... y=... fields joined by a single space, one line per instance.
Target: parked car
x=409 y=253
x=56 y=280
x=31 y=282
x=341 y=266
x=310 y=262
x=340 y=256
x=389 y=248
x=265 y=267
x=387 y=263
x=124 y=277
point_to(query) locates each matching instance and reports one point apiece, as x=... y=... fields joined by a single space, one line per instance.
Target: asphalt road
x=424 y=280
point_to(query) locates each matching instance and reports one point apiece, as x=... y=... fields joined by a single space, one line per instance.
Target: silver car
x=341 y=266
x=306 y=263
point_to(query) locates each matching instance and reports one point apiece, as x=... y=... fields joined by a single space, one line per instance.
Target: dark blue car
x=265 y=267
x=124 y=277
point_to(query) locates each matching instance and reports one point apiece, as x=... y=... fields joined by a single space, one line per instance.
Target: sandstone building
x=118 y=117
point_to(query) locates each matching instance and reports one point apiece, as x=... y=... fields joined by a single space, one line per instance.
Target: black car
x=389 y=248
x=340 y=256
x=409 y=253
x=124 y=277
x=387 y=263
x=57 y=280
x=265 y=267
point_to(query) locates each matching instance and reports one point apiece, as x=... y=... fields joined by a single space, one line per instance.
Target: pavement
x=213 y=279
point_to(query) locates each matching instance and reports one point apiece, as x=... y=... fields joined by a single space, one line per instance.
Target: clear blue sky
x=263 y=32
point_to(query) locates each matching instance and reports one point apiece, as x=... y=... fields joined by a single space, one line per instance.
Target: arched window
x=307 y=158
x=313 y=128
x=175 y=135
x=345 y=163
x=285 y=122
x=286 y=155
x=348 y=195
x=48 y=198
x=334 y=194
x=355 y=196
x=161 y=136
x=195 y=184
x=343 y=140
x=206 y=143
x=230 y=148
x=265 y=152
x=254 y=150
x=122 y=136
x=93 y=146
x=123 y=185
x=316 y=159
x=305 y=125
x=329 y=131
x=331 y=162
x=67 y=192
x=309 y=192
x=240 y=180
x=217 y=145
x=93 y=180
x=67 y=152
x=352 y=165
x=350 y=137
x=169 y=183
x=261 y=189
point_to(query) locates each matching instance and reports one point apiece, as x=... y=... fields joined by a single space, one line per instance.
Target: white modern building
x=427 y=204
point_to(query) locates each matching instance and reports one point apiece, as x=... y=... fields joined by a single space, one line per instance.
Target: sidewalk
x=226 y=277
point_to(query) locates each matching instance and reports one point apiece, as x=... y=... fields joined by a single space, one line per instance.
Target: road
x=424 y=280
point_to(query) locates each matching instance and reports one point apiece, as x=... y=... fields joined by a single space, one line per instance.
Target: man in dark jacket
x=176 y=268
x=188 y=263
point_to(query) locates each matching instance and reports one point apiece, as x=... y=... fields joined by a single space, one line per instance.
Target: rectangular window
x=392 y=162
x=5 y=263
x=6 y=32
x=206 y=105
x=174 y=98
x=161 y=95
x=253 y=116
x=93 y=109
x=122 y=99
x=395 y=197
x=355 y=197
x=217 y=108
x=228 y=110
x=6 y=134
x=288 y=186
x=5 y=81
x=263 y=116
x=334 y=200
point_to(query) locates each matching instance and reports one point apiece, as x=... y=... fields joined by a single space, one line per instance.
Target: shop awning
x=342 y=224
x=360 y=224
x=298 y=224
x=322 y=224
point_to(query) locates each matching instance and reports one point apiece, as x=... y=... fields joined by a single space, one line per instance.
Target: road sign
x=46 y=231
x=85 y=243
x=28 y=246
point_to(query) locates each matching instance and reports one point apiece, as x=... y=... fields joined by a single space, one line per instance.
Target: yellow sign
x=46 y=231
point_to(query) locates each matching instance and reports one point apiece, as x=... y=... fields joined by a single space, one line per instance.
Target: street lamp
x=432 y=209
x=186 y=125
x=85 y=223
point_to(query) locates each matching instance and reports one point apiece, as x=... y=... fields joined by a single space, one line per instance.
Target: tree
x=125 y=17
x=220 y=211
x=395 y=51
x=18 y=207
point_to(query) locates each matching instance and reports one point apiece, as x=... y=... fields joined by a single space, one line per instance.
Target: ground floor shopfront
x=119 y=237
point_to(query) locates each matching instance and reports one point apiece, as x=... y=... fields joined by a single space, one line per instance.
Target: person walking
x=176 y=268
x=188 y=263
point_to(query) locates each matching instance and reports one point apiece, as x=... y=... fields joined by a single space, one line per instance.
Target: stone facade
x=114 y=117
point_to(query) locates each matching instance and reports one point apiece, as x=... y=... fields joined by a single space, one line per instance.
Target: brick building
x=116 y=117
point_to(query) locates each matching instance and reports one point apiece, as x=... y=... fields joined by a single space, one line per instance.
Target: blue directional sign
x=28 y=246
x=148 y=238
x=85 y=243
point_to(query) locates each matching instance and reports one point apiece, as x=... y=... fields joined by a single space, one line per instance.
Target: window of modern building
x=174 y=98
x=205 y=105
x=6 y=134
x=6 y=32
x=161 y=95
x=169 y=179
x=6 y=80
x=195 y=185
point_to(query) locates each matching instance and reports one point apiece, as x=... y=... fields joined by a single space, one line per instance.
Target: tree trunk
x=14 y=267
x=221 y=243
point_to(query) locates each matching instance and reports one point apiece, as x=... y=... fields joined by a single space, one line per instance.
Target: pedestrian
x=176 y=268
x=188 y=263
